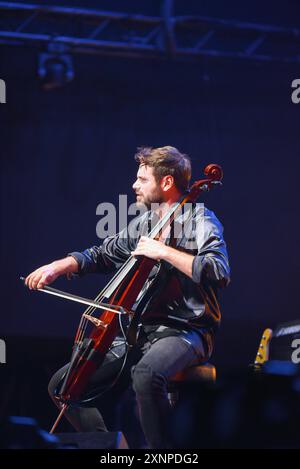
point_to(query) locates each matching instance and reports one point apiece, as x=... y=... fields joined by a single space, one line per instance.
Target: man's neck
x=165 y=206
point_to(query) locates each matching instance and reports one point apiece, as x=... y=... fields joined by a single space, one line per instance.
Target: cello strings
x=91 y=309
x=168 y=217
x=123 y=271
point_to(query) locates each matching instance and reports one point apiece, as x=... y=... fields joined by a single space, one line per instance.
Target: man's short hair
x=167 y=161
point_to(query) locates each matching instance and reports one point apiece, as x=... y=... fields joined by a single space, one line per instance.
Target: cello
x=115 y=300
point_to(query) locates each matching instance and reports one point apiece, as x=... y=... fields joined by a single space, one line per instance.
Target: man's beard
x=155 y=198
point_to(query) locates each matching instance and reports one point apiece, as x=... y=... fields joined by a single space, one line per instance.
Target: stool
x=205 y=373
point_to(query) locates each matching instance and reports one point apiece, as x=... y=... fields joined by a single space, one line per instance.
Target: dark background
x=65 y=151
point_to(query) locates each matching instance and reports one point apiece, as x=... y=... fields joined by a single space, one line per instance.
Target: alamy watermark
x=2 y=92
x=296 y=353
x=189 y=220
x=295 y=96
x=2 y=351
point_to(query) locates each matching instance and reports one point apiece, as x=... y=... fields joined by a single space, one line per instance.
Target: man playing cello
x=179 y=320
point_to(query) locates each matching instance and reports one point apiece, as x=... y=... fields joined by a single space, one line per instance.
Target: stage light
x=19 y=432
x=55 y=67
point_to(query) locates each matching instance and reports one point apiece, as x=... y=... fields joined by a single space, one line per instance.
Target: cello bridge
x=97 y=322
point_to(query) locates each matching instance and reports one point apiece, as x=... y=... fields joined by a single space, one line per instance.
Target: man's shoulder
x=201 y=210
x=208 y=217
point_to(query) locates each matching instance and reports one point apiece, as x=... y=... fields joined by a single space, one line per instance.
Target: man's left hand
x=150 y=248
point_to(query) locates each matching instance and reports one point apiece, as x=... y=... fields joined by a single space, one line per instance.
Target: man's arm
x=159 y=251
x=50 y=272
x=105 y=258
x=211 y=259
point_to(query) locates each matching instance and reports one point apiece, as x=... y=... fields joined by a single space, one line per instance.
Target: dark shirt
x=175 y=302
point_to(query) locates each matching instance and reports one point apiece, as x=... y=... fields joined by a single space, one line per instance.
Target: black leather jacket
x=175 y=300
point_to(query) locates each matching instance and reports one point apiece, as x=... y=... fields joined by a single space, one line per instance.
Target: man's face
x=147 y=190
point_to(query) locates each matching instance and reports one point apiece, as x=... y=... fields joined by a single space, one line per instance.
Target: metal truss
x=79 y=30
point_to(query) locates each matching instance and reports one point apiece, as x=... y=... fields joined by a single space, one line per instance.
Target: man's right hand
x=50 y=272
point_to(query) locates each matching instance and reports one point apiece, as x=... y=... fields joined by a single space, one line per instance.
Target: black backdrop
x=65 y=151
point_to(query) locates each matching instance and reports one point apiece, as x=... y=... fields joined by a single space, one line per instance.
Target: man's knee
x=146 y=381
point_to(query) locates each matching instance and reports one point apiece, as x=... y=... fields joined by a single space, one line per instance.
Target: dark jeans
x=150 y=366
